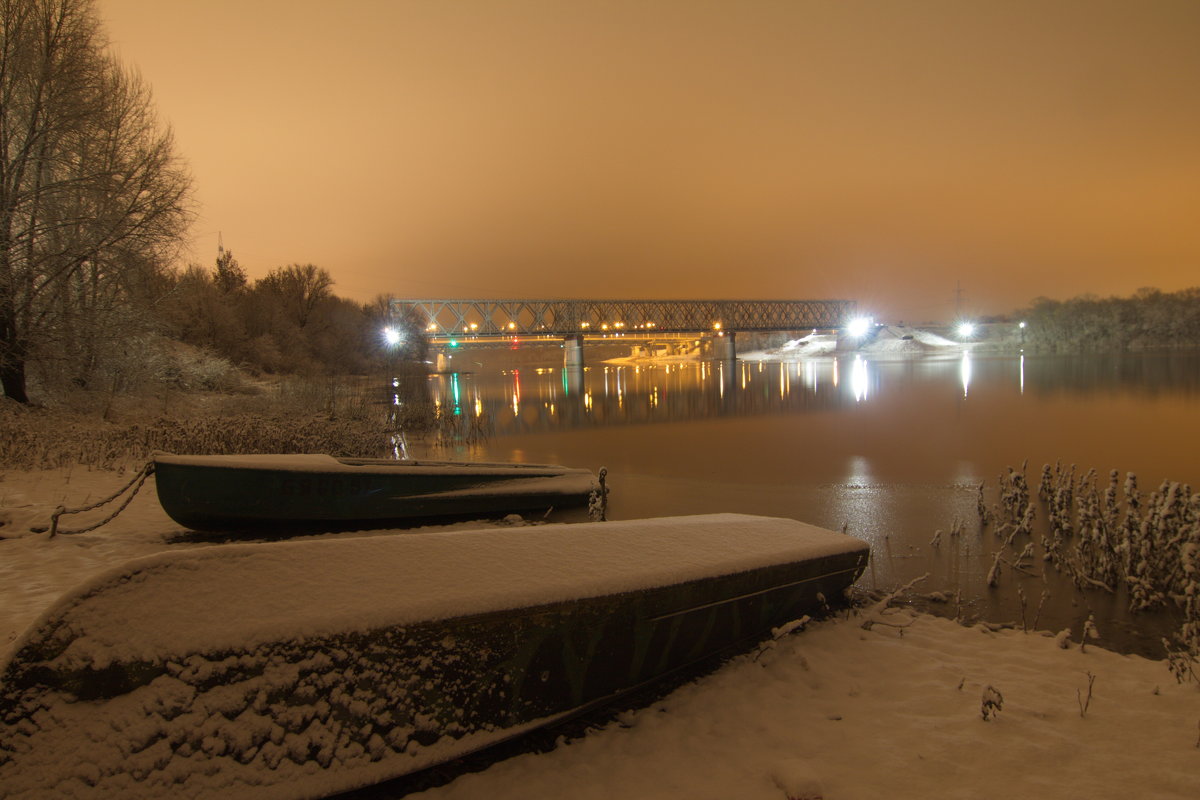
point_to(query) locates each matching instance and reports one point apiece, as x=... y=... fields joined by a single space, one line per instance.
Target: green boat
x=320 y=492
x=301 y=669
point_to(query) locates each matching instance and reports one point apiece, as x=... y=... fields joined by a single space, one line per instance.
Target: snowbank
x=890 y=712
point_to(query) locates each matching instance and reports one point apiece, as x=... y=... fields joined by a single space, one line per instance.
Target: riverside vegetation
x=338 y=415
x=1148 y=319
x=1108 y=536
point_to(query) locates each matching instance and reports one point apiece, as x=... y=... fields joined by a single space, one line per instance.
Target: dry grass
x=341 y=417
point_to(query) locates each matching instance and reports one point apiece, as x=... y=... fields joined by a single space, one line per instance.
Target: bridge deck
x=567 y=317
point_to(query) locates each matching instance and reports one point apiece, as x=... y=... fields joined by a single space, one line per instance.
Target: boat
x=320 y=492
x=304 y=668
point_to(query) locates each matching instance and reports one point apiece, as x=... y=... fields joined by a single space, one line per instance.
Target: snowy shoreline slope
x=885 y=712
x=890 y=712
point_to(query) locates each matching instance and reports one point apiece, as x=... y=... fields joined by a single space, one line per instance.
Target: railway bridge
x=578 y=320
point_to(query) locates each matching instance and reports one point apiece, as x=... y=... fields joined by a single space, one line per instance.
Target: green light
x=454 y=343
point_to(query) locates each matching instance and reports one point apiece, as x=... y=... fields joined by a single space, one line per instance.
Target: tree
x=93 y=199
x=298 y=290
x=229 y=275
x=198 y=313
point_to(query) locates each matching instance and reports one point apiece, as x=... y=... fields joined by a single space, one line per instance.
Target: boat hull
x=221 y=493
x=353 y=690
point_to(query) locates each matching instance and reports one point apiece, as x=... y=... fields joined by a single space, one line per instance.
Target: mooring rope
x=140 y=478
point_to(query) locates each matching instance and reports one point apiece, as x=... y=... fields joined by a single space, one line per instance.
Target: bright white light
x=858 y=379
x=966 y=329
x=391 y=336
x=859 y=326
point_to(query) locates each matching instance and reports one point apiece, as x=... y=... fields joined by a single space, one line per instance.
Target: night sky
x=885 y=151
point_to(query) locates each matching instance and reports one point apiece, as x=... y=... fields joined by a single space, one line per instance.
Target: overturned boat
x=304 y=668
x=217 y=493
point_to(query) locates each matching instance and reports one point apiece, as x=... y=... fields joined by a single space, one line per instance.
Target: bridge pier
x=725 y=346
x=573 y=352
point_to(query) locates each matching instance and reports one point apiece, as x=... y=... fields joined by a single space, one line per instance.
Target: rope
x=140 y=478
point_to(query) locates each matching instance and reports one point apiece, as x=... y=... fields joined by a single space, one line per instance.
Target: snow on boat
x=303 y=668
x=323 y=492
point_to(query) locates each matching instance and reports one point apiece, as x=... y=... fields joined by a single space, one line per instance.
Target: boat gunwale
x=322 y=464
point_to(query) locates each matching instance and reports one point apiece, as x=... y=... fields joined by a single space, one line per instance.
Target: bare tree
x=298 y=290
x=92 y=195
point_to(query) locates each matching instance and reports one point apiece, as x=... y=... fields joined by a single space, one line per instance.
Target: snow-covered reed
x=1112 y=537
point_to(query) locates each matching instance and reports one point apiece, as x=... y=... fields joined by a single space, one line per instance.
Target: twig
x=1083 y=704
x=1095 y=583
x=1021 y=567
x=873 y=622
x=887 y=600
x=1038 y=615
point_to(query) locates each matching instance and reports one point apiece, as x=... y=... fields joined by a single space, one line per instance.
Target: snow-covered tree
x=92 y=195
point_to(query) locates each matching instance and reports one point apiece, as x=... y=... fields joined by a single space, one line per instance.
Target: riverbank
x=883 y=702
x=884 y=705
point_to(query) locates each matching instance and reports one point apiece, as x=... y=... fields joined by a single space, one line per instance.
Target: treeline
x=94 y=205
x=193 y=328
x=1149 y=319
x=287 y=322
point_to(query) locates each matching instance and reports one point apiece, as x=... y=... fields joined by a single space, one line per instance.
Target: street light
x=859 y=327
x=392 y=337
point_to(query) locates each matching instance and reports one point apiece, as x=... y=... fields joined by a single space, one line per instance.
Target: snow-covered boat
x=305 y=668
x=323 y=492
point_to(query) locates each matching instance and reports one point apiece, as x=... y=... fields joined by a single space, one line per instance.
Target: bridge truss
x=597 y=317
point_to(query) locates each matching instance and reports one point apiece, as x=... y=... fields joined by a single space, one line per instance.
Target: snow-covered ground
x=847 y=713
x=889 y=709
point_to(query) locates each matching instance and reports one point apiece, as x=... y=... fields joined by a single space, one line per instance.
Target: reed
x=1111 y=535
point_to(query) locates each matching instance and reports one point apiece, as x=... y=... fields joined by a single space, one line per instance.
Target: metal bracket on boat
x=138 y=479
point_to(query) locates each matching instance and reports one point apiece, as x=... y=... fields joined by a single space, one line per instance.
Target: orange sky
x=876 y=150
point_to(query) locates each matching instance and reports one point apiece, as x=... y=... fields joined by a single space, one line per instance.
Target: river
x=890 y=449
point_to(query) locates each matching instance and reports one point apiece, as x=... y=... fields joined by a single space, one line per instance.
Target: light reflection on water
x=893 y=450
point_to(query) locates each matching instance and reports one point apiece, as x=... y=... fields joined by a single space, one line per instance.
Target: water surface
x=890 y=450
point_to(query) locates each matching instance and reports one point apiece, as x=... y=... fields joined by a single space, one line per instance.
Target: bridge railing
x=567 y=317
